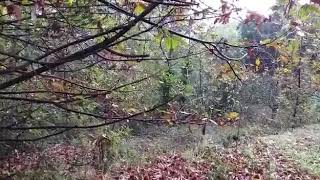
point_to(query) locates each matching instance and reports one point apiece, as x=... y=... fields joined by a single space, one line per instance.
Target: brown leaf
x=14 y=10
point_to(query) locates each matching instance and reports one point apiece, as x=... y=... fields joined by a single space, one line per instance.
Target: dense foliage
x=98 y=71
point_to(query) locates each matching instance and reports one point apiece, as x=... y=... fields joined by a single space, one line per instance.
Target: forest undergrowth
x=177 y=154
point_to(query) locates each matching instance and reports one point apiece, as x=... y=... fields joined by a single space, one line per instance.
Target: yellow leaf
x=258 y=61
x=266 y=41
x=139 y=8
x=232 y=116
x=24 y=2
x=132 y=110
x=2 y=66
x=3 y=10
x=286 y=70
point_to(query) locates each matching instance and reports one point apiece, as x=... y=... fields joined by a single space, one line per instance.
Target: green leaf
x=171 y=43
x=99 y=39
x=188 y=90
x=293 y=46
x=174 y=43
x=158 y=38
x=120 y=47
x=307 y=11
x=266 y=41
x=69 y=2
x=138 y=9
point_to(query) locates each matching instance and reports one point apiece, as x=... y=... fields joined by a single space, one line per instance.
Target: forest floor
x=291 y=154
